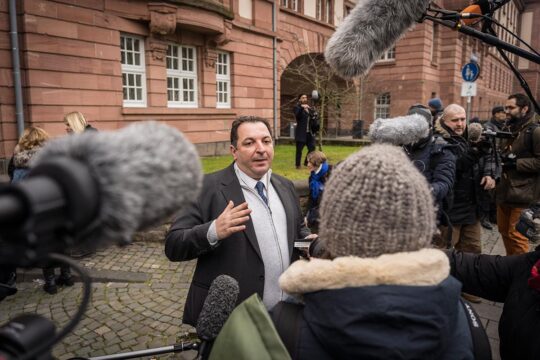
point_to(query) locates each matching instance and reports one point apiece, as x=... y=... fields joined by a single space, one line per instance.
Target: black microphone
x=97 y=187
x=368 y=31
x=218 y=305
x=402 y=130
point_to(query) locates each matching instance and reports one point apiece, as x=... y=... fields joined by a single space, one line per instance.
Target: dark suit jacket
x=239 y=255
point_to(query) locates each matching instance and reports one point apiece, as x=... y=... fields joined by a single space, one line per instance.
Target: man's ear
x=232 y=148
x=524 y=110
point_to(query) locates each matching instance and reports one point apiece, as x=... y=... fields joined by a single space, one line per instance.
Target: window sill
x=176 y=111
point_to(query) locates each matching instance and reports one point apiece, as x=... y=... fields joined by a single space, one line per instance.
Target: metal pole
x=274 y=68
x=469 y=98
x=16 y=67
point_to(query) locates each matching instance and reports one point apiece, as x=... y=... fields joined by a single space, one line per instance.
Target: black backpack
x=287 y=318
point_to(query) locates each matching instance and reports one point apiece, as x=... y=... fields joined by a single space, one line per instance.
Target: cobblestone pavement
x=138 y=299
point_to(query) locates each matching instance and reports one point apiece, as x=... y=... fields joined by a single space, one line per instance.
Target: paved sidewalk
x=137 y=302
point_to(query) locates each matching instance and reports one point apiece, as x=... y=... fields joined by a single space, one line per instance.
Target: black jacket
x=302 y=121
x=239 y=255
x=434 y=158
x=467 y=189
x=504 y=279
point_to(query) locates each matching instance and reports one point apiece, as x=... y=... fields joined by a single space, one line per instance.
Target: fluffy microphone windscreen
x=145 y=172
x=475 y=132
x=402 y=130
x=368 y=31
x=217 y=307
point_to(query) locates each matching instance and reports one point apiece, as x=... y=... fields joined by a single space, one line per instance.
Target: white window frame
x=388 y=55
x=180 y=74
x=382 y=106
x=223 y=76
x=133 y=70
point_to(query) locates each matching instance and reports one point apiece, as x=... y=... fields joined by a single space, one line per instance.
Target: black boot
x=50 y=281
x=65 y=278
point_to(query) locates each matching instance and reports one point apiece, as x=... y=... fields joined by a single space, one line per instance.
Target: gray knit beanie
x=376 y=202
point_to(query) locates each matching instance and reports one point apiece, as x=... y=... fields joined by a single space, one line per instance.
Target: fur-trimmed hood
x=395 y=306
x=21 y=159
x=419 y=268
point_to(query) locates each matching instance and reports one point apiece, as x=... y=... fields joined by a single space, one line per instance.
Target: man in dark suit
x=303 y=135
x=244 y=223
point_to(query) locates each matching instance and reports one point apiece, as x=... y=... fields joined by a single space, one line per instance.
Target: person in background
x=319 y=173
x=436 y=107
x=433 y=157
x=465 y=227
x=303 y=135
x=29 y=144
x=488 y=204
x=519 y=186
x=76 y=123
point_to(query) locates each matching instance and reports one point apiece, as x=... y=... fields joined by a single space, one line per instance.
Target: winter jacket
x=434 y=158
x=302 y=121
x=467 y=189
x=504 y=279
x=520 y=187
x=396 y=306
x=21 y=162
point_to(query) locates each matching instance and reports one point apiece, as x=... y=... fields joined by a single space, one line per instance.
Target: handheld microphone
x=402 y=130
x=368 y=31
x=97 y=187
x=475 y=132
x=217 y=307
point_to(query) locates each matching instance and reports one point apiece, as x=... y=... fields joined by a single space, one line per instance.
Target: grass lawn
x=283 y=163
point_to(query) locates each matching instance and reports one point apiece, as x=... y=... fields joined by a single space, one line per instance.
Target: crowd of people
x=402 y=228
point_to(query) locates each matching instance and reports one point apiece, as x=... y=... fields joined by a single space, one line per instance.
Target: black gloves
x=509 y=163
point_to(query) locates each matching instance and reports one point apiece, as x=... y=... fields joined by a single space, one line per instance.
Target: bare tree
x=310 y=72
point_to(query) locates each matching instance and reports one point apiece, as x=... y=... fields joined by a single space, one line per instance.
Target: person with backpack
x=519 y=186
x=385 y=294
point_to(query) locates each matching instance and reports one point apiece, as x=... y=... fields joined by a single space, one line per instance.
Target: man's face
x=303 y=99
x=456 y=121
x=500 y=116
x=254 y=150
x=514 y=112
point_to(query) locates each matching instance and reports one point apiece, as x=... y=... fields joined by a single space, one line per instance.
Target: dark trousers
x=310 y=143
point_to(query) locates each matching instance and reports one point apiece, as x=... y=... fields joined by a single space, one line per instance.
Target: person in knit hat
x=436 y=107
x=385 y=294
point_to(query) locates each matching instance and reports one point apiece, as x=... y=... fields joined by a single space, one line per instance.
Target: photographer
x=304 y=134
x=519 y=186
x=496 y=124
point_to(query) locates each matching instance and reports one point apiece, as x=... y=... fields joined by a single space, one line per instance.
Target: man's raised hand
x=232 y=220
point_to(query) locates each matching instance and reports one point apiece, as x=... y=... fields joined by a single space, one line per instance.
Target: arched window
x=382 y=106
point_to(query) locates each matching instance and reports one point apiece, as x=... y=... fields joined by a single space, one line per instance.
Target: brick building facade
x=197 y=64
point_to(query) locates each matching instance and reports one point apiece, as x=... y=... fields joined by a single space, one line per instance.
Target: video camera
x=486 y=133
x=529 y=223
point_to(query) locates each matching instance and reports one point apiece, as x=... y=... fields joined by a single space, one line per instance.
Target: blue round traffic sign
x=470 y=71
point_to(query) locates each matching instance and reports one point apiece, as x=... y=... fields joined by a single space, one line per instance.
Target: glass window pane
x=129 y=58
x=138 y=80
x=192 y=96
x=139 y=94
x=169 y=64
x=169 y=82
x=169 y=95
x=124 y=79
x=124 y=90
x=136 y=45
x=131 y=94
x=129 y=44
